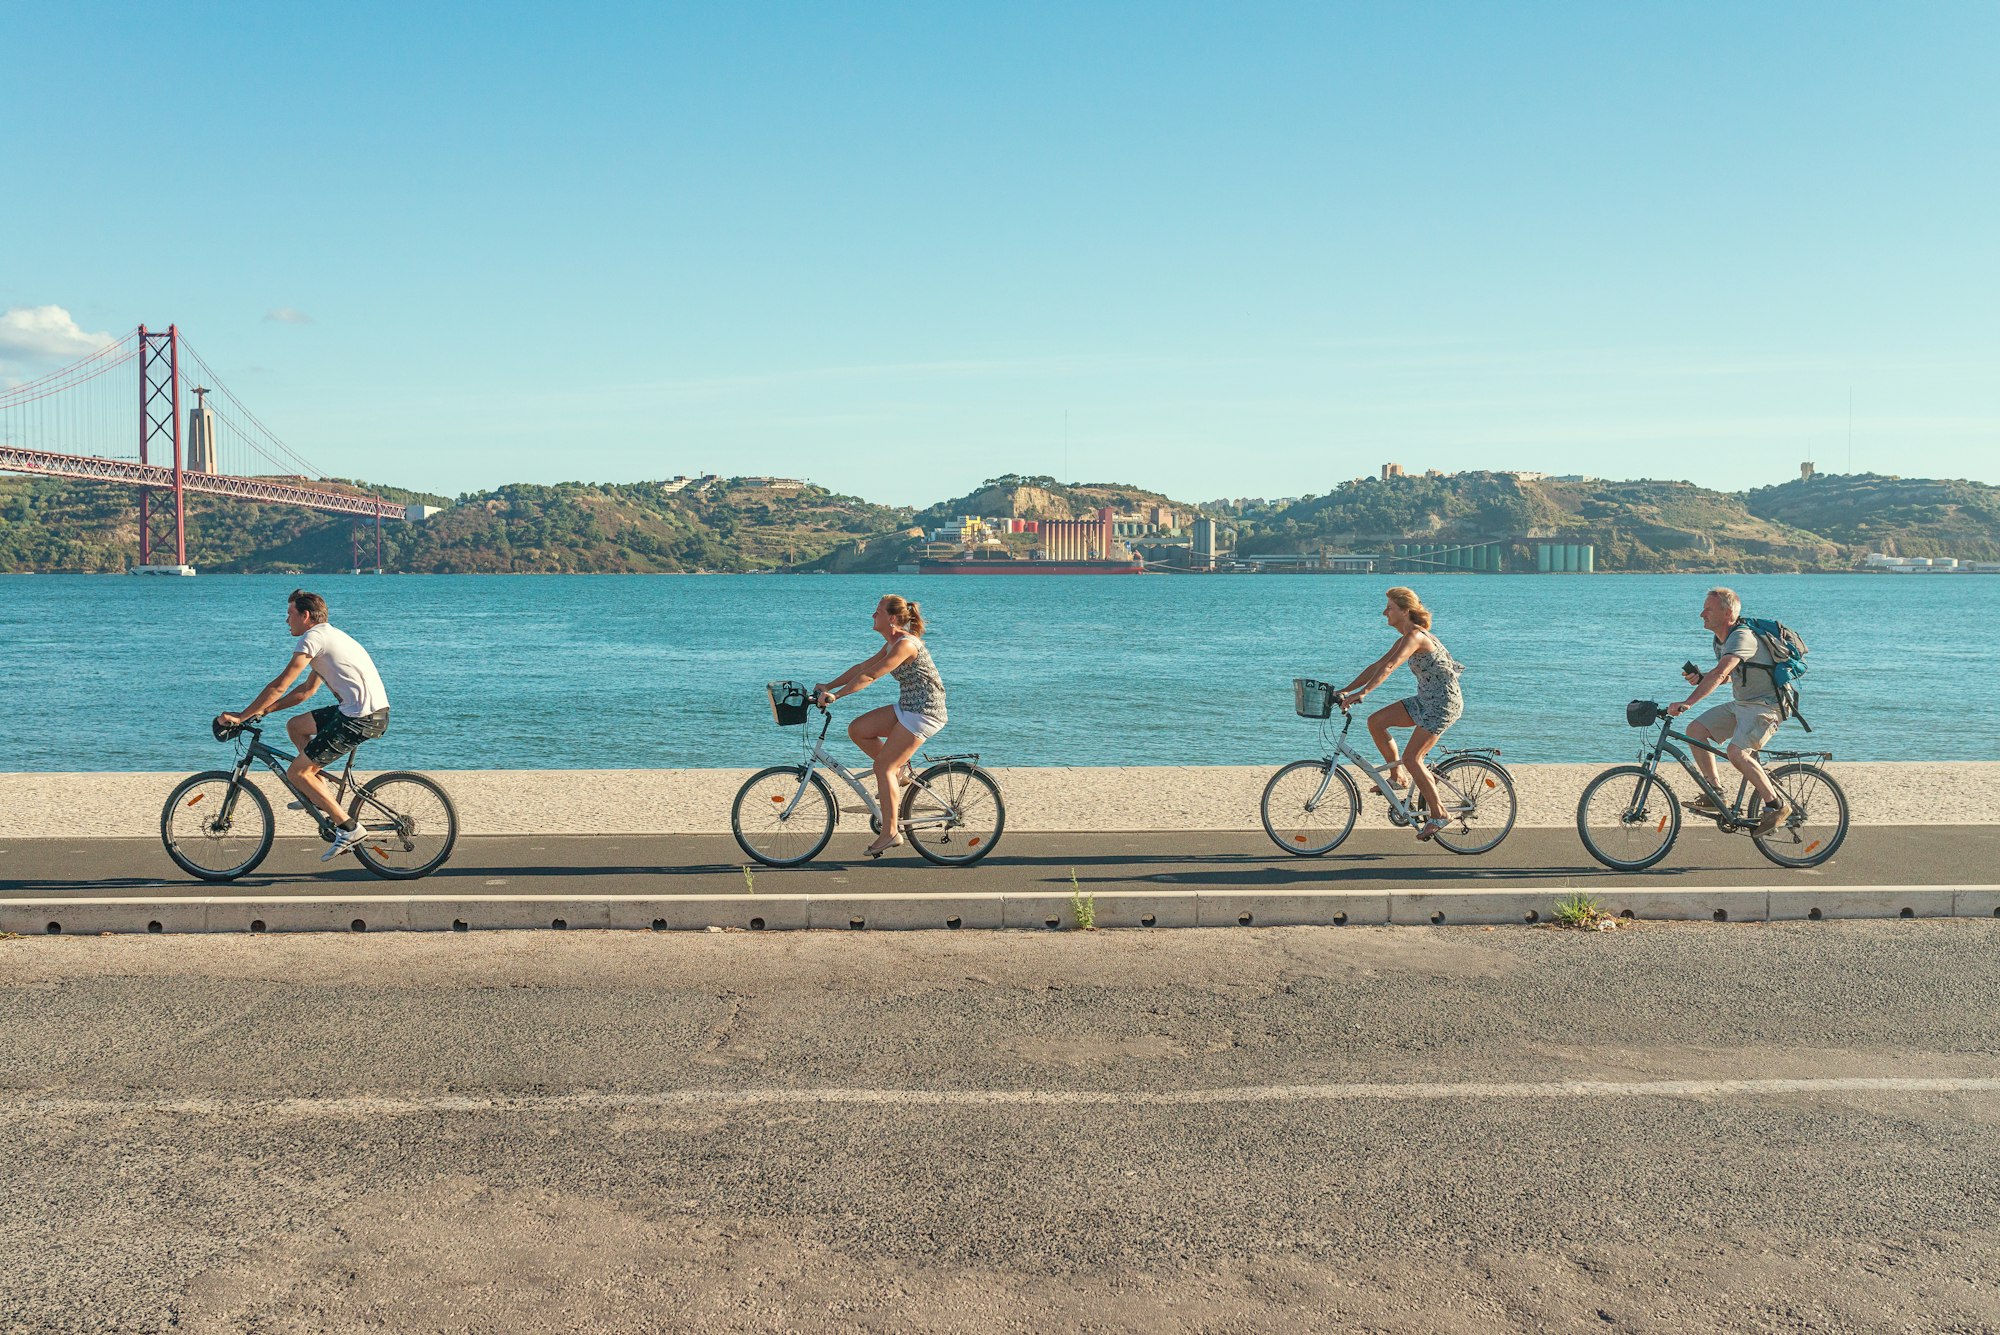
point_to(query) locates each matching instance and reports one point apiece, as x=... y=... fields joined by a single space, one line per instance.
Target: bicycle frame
x=1649 y=760
x=819 y=758
x=260 y=752
x=1402 y=811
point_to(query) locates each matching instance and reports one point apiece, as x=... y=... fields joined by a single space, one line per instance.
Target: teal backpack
x=1788 y=662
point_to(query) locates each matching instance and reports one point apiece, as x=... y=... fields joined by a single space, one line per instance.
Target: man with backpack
x=1747 y=722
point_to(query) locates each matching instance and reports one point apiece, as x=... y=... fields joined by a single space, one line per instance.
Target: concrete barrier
x=943 y=912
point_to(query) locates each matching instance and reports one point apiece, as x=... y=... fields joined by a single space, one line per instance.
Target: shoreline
x=1065 y=800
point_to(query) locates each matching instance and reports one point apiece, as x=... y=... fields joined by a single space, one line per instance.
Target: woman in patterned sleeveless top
x=1435 y=707
x=891 y=735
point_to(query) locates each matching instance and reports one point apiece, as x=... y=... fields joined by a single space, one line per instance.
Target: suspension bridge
x=120 y=415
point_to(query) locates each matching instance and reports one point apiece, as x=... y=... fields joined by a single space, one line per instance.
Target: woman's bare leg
x=1379 y=723
x=1421 y=741
x=870 y=730
x=894 y=753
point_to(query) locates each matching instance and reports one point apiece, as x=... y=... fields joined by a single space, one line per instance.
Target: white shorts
x=921 y=726
x=1741 y=723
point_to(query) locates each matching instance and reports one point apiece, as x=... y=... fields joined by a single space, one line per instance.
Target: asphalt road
x=712 y=864
x=1667 y=1127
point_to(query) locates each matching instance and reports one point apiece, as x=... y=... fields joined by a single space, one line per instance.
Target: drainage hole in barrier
x=1815 y=915
x=756 y=924
x=1532 y=916
x=1437 y=918
x=1148 y=920
x=256 y=924
x=1052 y=923
x=1996 y=912
x=560 y=924
x=54 y=929
x=659 y=924
x=856 y=924
x=1340 y=920
x=1624 y=913
x=154 y=926
x=358 y=926
x=1722 y=915
x=460 y=925
x=1244 y=919
x=954 y=923
x=1909 y=912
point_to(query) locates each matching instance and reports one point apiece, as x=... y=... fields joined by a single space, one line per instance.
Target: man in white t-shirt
x=1744 y=725
x=324 y=654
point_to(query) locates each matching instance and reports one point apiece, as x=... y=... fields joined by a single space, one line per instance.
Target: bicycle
x=217 y=825
x=952 y=812
x=1309 y=806
x=1638 y=818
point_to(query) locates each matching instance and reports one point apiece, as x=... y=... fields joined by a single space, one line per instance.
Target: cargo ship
x=1006 y=565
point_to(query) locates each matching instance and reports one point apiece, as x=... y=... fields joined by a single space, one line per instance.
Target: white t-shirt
x=340 y=661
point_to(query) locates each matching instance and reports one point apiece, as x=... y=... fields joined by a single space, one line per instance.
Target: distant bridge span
x=77 y=421
x=202 y=484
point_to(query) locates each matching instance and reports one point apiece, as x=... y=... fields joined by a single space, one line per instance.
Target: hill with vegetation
x=1898 y=516
x=56 y=524
x=1635 y=525
x=744 y=524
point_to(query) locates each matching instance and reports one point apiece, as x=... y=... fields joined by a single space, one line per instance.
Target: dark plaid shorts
x=337 y=734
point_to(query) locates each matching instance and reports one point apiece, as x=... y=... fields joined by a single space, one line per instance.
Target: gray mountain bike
x=218 y=825
x=1310 y=806
x=1628 y=818
x=783 y=816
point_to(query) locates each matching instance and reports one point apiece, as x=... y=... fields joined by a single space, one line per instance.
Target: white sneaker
x=343 y=842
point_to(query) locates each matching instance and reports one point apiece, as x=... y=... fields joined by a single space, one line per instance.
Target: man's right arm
x=267 y=699
x=1716 y=676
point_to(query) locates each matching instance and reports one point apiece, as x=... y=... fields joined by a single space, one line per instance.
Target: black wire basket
x=1313 y=699
x=789 y=703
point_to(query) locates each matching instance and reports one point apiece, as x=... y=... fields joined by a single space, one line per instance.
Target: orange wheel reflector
x=1491 y=784
x=378 y=850
x=1814 y=844
x=973 y=842
x=196 y=798
x=1298 y=838
x=1661 y=828
x=778 y=797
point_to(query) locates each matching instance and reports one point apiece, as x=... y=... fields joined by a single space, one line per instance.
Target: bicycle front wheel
x=1478 y=796
x=953 y=814
x=781 y=818
x=216 y=829
x=1306 y=810
x=1818 y=823
x=1628 y=819
x=408 y=826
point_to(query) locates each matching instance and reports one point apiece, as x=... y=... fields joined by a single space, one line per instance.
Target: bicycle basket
x=1313 y=699
x=789 y=703
x=1642 y=713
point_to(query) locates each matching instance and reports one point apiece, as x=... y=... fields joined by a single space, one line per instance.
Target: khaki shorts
x=1749 y=726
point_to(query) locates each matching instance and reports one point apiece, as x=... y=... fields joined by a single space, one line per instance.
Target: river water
x=641 y=671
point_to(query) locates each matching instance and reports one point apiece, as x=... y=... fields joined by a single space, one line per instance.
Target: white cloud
x=287 y=315
x=46 y=333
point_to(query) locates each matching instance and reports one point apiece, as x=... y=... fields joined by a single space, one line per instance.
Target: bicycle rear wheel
x=1303 y=832
x=1478 y=796
x=1628 y=819
x=408 y=825
x=953 y=815
x=1818 y=823
x=774 y=828
x=213 y=836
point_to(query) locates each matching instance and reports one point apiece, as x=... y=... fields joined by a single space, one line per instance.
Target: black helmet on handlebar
x=227 y=732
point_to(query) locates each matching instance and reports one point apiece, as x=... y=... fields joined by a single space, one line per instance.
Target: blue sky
x=1247 y=249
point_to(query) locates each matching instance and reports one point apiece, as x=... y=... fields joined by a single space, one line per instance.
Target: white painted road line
x=1422 y=1091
